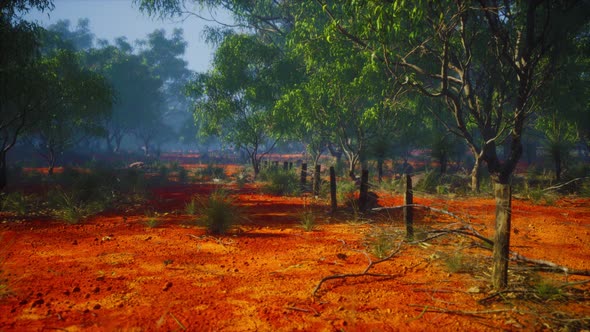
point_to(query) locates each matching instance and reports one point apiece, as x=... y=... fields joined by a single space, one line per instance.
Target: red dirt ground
x=112 y=272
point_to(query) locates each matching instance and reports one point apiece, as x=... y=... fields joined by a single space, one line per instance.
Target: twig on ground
x=177 y=321
x=458 y=312
x=365 y=273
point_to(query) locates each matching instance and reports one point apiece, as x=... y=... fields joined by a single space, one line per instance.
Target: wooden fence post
x=285 y=165
x=303 y=174
x=364 y=190
x=408 y=210
x=333 y=188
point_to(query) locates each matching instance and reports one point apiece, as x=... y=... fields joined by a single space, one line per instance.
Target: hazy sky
x=110 y=19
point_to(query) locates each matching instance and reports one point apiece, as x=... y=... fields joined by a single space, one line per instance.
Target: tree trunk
x=443 y=163
x=476 y=176
x=51 y=161
x=557 y=161
x=316 y=180
x=380 y=170
x=503 y=195
x=255 y=165
x=333 y=188
x=3 y=170
x=364 y=190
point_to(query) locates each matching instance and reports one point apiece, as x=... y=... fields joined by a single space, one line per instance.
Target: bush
x=218 y=213
x=280 y=182
x=345 y=193
x=307 y=220
x=18 y=203
x=83 y=195
x=212 y=171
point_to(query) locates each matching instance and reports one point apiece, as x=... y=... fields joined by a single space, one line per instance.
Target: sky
x=110 y=19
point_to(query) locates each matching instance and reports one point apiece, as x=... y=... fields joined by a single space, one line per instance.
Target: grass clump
x=280 y=182
x=18 y=203
x=218 y=213
x=307 y=220
x=191 y=207
x=211 y=171
x=380 y=243
x=153 y=219
x=86 y=194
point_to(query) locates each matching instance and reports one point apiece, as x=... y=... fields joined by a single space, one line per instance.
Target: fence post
x=285 y=165
x=303 y=174
x=408 y=210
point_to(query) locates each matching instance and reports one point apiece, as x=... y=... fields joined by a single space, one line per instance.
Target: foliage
x=153 y=219
x=307 y=220
x=281 y=182
x=212 y=171
x=81 y=195
x=191 y=207
x=19 y=203
x=218 y=213
x=380 y=243
x=345 y=193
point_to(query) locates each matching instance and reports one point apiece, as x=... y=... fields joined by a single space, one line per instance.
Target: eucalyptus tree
x=20 y=73
x=235 y=99
x=163 y=55
x=486 y=60
x=138 y=95
x=72 y=101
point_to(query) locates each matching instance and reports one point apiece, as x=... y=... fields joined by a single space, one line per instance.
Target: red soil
x=112 y=272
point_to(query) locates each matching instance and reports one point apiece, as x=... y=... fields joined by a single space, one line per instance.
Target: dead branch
x=563 y=184
x=467 y=229
x=365 y=273
x=427 y=308
x=548 y=266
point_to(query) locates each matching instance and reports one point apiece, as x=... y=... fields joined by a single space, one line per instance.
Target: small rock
x=473 y=289
x=96 y=307
x=167 y=286
x=75 y=242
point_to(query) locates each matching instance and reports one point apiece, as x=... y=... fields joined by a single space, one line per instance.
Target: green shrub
x=218 y=213
x=345 y=193
x=84 y=194
x=71 y=207
x=307 y=220
x=190 y=208
x=280 y=182
x=18 y=203
x=381 y=245
x=152 y=219
x=212 y=171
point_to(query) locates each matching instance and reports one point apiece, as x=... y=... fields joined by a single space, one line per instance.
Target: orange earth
x=112 y=272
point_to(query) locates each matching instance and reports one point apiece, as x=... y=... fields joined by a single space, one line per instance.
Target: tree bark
x=501 y=250
x=3 y=169
x=333 y=188
x=316 y=180
x=408 y=210
x=476 y=176
x=380 y=170
x=364 y=190
x=557 y=161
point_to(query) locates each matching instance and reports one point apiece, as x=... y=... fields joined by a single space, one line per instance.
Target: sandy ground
x=113 y=272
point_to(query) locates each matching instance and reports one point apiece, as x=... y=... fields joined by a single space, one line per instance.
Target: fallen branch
x=365 y=273
x=427 y=308
x=548 y=266
x=563 y=184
